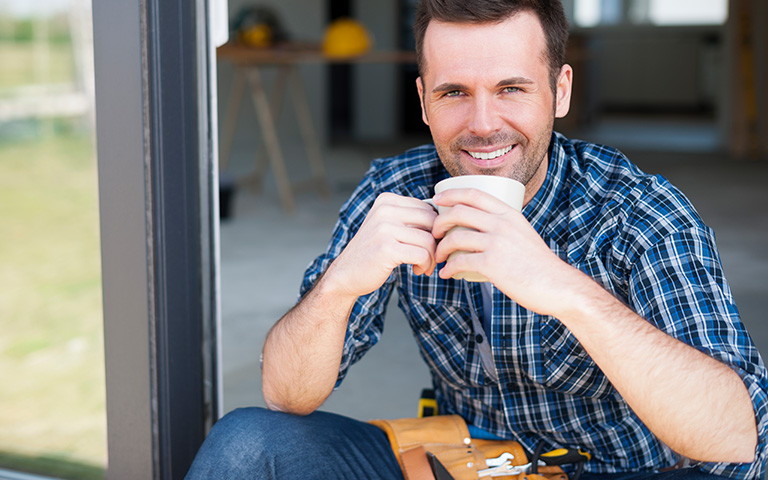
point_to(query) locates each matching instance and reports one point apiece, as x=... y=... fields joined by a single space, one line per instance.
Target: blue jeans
x=255 y=443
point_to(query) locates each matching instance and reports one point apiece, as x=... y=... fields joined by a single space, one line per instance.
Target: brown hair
x=549 y=12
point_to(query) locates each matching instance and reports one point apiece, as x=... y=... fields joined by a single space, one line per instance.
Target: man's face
x=487 y=98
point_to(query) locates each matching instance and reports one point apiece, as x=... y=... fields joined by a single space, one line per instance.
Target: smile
x=490 y=155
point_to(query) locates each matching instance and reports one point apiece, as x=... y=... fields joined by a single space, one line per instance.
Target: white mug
x=505 y=189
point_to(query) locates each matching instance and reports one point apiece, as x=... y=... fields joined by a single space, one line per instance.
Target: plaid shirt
x=633 y=233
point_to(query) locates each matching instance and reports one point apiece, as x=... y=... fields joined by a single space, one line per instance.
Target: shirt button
x=479 y=338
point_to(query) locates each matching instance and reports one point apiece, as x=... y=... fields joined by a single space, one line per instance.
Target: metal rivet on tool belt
x=467 y=441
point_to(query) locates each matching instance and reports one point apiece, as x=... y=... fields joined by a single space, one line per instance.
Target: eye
x=511 y=90
x=453 y=93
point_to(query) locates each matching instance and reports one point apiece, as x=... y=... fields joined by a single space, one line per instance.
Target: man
x=607 y=323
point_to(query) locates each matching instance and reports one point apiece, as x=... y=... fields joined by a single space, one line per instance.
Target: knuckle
x=383 y=231
x=385 y=196
x=475 y=194
x=459 y=209
x=382 y=200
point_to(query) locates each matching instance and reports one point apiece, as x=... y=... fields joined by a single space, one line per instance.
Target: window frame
x=158 y=192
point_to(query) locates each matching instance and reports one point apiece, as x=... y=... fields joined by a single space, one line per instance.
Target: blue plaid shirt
x=531 y=381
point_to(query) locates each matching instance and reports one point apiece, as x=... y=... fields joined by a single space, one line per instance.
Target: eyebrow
x=449 y=87
x=515 y=81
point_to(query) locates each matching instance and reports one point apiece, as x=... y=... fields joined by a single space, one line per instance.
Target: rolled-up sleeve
x=366 y=321
x=679 y=286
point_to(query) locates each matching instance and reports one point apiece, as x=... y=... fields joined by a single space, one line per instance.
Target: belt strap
x=447 y=438
x=415 y=465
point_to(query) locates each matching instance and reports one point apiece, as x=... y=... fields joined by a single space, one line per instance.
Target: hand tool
x=560 y=456
x=438 y=469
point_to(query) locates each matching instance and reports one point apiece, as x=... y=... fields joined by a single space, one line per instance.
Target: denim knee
x=259 y=443
x=235 y=448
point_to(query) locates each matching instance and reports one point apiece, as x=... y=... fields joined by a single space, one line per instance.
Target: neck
x=534 y=185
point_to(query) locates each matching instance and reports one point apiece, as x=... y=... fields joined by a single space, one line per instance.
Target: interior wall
x=376 y=85
x=657 y=68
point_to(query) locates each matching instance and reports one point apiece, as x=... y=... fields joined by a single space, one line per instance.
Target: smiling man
x=606 y=324
x=491 y=105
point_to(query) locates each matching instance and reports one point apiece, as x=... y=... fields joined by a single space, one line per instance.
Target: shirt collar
x=542 y=204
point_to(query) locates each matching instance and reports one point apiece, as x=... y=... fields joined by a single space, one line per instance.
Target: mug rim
x=492 y=178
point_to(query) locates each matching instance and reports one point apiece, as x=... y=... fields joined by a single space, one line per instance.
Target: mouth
x=490 y=159
x=490 y=155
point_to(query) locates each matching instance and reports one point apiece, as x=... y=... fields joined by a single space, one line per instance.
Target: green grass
x=52 y=404
x=60 y=467
x=26 y=63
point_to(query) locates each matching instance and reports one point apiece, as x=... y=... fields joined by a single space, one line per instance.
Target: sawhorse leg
x=311 y=143
x=230 y=118
x=271 y=142
x=268 y=113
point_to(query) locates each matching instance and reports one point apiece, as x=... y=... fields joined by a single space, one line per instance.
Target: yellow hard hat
x=258 y=26
x=346 y=38
x=256 y=36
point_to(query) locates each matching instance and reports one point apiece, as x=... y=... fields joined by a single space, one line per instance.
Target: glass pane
x=52 y=403
x=587 y=12
x=590 y=13
x=688 y=12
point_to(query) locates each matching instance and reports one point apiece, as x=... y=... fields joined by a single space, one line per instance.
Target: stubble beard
x=532 y=155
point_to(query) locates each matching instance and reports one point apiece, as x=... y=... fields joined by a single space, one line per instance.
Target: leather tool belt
x=439 y=447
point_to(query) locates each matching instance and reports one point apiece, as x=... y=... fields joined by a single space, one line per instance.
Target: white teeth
x=490 y=155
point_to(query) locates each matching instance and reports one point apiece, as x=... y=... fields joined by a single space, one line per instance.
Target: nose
x=484 y=118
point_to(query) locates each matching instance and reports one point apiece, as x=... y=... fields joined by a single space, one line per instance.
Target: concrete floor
x=264 y=253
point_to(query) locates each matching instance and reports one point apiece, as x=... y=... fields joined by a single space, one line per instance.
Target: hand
x=397 y=230
x=502 y=246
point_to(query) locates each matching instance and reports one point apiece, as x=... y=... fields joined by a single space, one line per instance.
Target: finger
x=432 y=264
x=459 y=239
x=471 y=197
x=470 y=217
x=432 y=267
x=420 y=218
x=394 y=199
x=423 y=264
x=429 y=271
x=458 y=216
x=403 y=210
x=420 y=258
x=462 y=262
x=426 y=267
x=413 y=246
x=411 y=235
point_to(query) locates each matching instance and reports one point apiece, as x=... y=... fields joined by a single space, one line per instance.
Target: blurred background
x=677 y=84
x=52 y=402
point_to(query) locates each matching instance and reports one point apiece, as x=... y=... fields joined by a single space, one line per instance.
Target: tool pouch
x=447 y=438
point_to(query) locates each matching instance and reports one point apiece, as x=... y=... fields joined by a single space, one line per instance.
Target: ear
x=420 y=88
x=564 y=86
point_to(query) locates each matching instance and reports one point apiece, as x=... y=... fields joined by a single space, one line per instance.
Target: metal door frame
x=158 y=189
